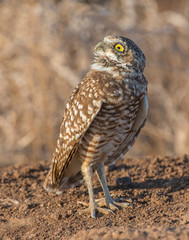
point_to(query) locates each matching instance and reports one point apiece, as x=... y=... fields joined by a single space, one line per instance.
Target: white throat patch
x=101 y=68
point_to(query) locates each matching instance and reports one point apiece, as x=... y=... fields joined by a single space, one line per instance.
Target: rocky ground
x=158 y=188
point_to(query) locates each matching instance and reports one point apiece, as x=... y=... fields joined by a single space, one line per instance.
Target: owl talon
x=83 y=203
x=88 y=210
x=113 y=205
x=123 y=204
x=93 y=212
x=104 y=210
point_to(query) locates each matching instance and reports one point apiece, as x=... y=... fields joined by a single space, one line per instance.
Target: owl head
x=120 y=52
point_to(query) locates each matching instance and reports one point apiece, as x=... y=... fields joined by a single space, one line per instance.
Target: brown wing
x=80 y=111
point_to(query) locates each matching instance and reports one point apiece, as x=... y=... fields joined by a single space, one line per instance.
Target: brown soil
x=158 y=188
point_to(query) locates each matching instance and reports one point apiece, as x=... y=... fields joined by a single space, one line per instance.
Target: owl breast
x=107 y=132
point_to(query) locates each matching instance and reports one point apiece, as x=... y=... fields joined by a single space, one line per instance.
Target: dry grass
x=46 y=48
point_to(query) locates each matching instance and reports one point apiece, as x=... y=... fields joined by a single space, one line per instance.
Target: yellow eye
x=119 y=47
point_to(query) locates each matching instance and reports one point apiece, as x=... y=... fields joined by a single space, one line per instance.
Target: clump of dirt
x=158 y=188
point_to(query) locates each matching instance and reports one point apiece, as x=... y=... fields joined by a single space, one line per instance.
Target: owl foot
x=112 y=204
x=103 y=206
x=93 y=211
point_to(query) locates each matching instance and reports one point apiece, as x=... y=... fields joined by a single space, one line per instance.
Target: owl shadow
x=172 y=185
x=124 y=183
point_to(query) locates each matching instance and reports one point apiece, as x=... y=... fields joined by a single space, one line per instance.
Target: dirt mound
x=157 y=187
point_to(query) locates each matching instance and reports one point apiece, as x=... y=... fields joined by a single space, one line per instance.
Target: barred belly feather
x=102 y=140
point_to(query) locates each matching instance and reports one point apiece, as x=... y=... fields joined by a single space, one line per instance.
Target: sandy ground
x=158 y=188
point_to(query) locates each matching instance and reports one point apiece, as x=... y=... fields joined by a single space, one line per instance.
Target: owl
x=102 y=120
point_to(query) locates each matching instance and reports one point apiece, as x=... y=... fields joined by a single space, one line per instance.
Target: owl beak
x=99 y=47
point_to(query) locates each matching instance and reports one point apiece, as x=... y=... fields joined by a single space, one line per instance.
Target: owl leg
x=109 y=202
x=88 y=175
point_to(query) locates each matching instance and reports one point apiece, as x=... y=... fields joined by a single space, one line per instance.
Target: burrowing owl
x=102 y=119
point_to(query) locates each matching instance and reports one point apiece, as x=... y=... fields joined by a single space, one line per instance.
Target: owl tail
x=70 y=177
x=49 y=185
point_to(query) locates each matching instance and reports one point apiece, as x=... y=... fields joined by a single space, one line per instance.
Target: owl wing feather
x=80 y=111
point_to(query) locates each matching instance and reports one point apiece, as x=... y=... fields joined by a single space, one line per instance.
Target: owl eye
x=119 y=47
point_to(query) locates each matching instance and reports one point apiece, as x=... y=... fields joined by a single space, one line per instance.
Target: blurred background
x=46 y=49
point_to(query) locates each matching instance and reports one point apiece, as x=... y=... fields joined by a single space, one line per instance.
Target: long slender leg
x=101 y=175
x=88 y=175
x=110 y=203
